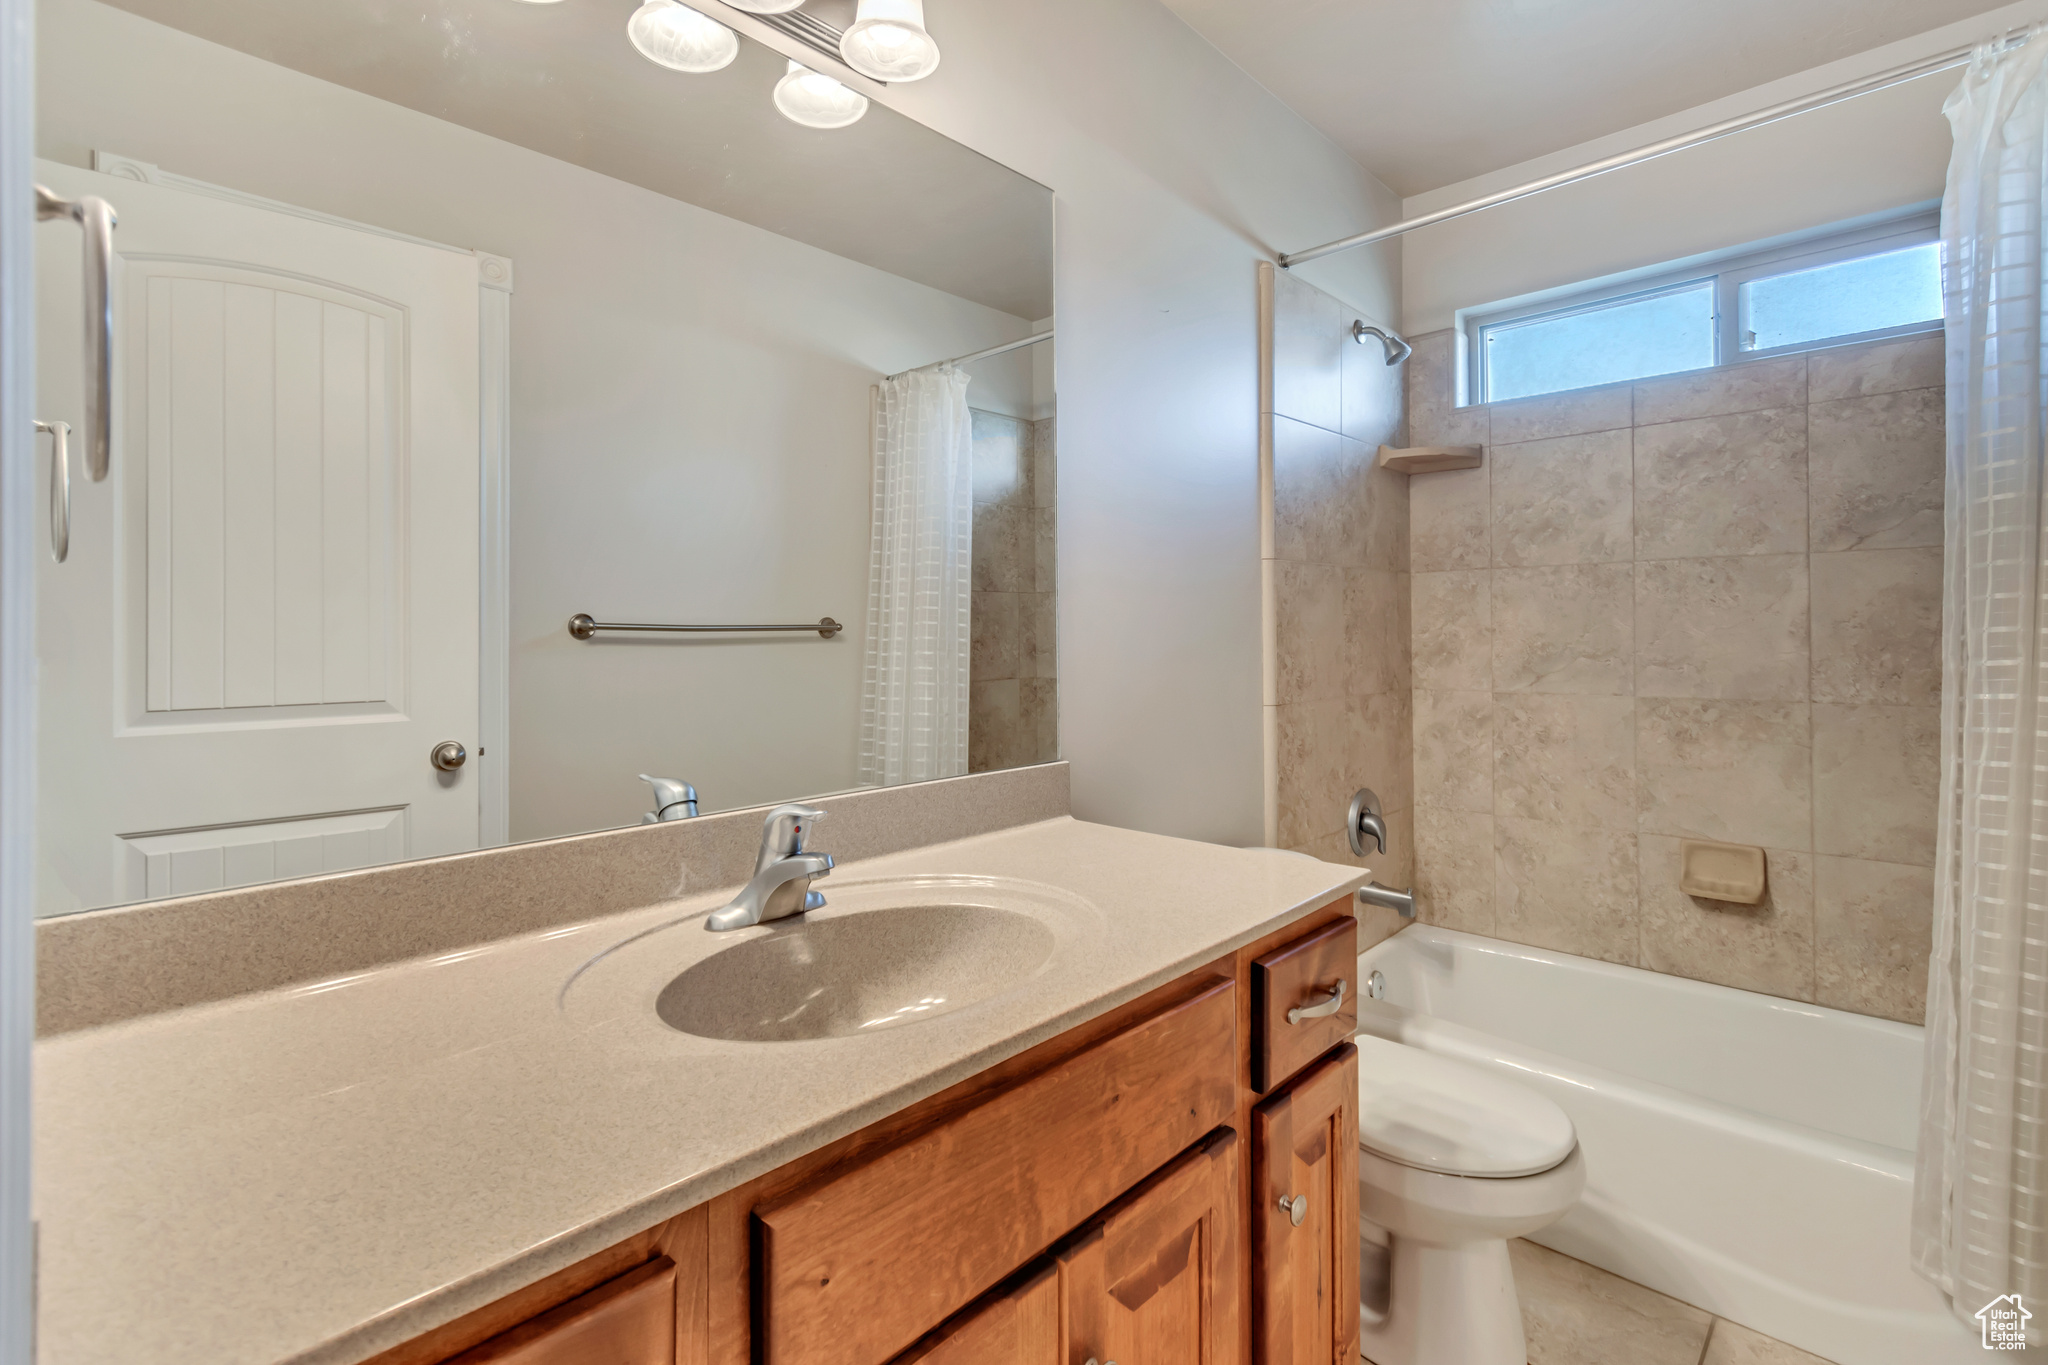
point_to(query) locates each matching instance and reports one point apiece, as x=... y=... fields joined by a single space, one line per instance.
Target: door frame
x=494 y=512
x=17 y=673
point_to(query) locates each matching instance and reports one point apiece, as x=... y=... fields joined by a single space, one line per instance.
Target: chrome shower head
x=1397 y=349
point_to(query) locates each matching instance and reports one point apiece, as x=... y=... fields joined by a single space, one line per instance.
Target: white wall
x=1872 y=154
x=690 y=409
x=1176 y=174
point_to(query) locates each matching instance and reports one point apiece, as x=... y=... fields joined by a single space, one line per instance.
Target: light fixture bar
x=813 y=32
x=1882 y=80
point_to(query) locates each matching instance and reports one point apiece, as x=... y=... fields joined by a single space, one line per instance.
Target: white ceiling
x=562 y=79
x=1425 y=93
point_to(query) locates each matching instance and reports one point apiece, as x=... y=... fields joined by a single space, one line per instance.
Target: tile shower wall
x=1336 y=582
x=1699 y=606
x=1012 y=688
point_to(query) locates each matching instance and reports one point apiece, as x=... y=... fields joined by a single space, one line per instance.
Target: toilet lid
x=1423 y=1110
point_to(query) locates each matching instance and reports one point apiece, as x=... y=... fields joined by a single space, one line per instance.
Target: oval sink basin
x=837 y=977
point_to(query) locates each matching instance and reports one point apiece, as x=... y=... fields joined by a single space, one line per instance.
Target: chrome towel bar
x=583 y=627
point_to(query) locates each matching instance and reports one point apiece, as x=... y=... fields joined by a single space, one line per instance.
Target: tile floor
x=1576 y=1314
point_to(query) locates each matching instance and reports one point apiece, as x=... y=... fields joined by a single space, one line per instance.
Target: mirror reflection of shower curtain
x=1980 y=1216
x=914 y=680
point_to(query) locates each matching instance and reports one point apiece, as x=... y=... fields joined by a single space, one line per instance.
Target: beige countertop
x=317 y=1173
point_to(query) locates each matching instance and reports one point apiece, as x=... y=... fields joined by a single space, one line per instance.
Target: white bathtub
x=1749 y=1155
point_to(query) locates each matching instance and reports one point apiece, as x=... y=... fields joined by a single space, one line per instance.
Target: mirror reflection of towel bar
x=583 y=627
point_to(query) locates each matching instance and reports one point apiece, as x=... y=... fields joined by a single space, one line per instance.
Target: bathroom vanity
x=1119 y=1192
x=522 y=1150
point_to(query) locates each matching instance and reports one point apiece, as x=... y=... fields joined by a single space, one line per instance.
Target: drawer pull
x=1296 y=1208
x=1322 y=1011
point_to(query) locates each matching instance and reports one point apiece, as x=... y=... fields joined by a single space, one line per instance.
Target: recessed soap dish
x=1429 y=459
x=1721 y=872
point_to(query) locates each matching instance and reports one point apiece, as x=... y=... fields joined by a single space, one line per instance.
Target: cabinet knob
x=1296 y=1209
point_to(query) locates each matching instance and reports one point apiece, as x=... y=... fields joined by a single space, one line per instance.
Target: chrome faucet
x=782 y=873
x=673 y=800
x=1363 y=822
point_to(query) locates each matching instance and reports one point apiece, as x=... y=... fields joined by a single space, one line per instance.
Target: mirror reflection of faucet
x=673 y=800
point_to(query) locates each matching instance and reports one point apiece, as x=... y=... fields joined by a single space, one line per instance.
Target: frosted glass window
x=1847 y=298
x=1630 y=338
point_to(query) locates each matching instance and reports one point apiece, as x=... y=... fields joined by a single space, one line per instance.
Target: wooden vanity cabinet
x=1305 y=1254
x=1112 y=1193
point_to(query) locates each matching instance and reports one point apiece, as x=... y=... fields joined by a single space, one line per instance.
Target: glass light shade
x=888 y=43
x=817 y=101
x=765 y=6
x=679 y=37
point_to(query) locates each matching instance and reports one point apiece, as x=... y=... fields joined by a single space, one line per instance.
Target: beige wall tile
x=1876 y=781
x=1564 y=629
x=1562 y=501
x=1766 y=947
x=1569 y=889
x=1308 y=359
x=1309 y=631
x=1734 y=1344
x=1449 y=522
x=1372 y=391
x=1045 y=549
x=1454 y=869
x=1453 y=630
x=1434 y=417
x=1375 y=532
x=1877 y=626
x=1002 y=557
x=1308 y=493
x=1039 y=653
x=996 y=636
x=1312 y=741
x=1711 y=393
x=1454 y=750
x=1379 y=751
x=1738 y=771
x=1730 y=485
x=1877 y=467
x=1873 y=930
x=1376 y=640
x=1728 y=628
x=995 y=726
x=1561 y=414
x=1038 y=716
x=1565 y=759
x=1575 y=1314
x=1877 y=367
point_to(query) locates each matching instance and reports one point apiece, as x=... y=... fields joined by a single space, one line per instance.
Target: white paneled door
x=268 y=618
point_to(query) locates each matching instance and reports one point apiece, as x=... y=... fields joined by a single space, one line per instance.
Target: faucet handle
x=673 y=800
x=1365 y=821
x=782 y=833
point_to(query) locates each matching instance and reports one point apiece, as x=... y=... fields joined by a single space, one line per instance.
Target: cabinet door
x=627 y=1321
x=1013 y=1325
x=1156 y=1279
x=1305 y=1255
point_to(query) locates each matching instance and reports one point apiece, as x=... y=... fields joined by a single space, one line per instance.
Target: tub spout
x=1372 y=893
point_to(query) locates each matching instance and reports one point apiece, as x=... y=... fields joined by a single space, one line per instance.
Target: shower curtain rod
x=1898 y=75
x=1003 y=349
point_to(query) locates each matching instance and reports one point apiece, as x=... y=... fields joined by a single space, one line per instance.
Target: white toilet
x=1452 y=1162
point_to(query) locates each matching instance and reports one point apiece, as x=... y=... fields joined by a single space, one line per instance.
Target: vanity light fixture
x=680 y=38
x=765 y=6
x=816 y=100
x=888 y=41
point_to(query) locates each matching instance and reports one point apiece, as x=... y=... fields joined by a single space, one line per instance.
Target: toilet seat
x=1419 y=1109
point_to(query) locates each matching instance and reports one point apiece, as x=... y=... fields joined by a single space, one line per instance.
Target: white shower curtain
x=913 y=721
x=1980 y=1217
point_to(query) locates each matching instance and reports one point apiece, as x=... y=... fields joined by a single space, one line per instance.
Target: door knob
x=1296 y=1208
x=448 y=756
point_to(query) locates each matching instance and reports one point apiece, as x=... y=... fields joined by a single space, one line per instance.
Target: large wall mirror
x=439 y=323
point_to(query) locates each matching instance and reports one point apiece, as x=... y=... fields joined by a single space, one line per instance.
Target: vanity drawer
x=630 y=1320
x=1296 y=975
x=852 y=1270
